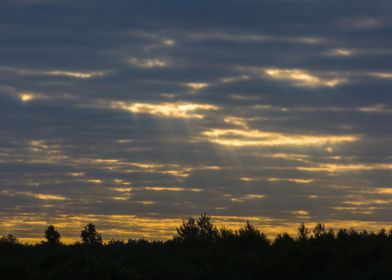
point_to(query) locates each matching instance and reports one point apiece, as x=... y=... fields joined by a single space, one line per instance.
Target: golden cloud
x=251 y=137
x=180 y=110
x=302 y=77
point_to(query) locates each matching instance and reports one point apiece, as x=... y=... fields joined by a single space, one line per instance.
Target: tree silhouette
x=283 y=240
x=90 y=236
x=317 y=253
x=189 y=231
x=9 y=239
x=319 y=231
x=303 y=232
x=251 y=236
x=200 y=231
x=207 y=231
x=52 y=235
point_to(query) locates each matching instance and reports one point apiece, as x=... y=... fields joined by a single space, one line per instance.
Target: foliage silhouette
x=303 y=232
x=200 y=251
x=90 y=236
x=200 y=231
x=9 y=240
x=52 y=236
x=250 y=236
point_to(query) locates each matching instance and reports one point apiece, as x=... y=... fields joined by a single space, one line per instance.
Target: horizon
x=135 y=115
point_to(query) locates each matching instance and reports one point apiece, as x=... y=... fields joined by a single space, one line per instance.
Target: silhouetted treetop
x=52 y=235
x=251 y=236
x=90 y=236
x=9 y=239
x=303 y=232
x=200 y=231
x=200 y=251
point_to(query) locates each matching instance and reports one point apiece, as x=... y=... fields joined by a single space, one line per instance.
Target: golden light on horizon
x=131 y=226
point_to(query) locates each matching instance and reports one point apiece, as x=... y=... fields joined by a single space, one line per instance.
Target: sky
x=135 y=115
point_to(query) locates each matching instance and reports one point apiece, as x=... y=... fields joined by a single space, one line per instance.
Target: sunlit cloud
x=228 y=36
x=237 y=121
x=302 y=78
x=169 y=42
x=39 y=196
x=383 y=191
x=294 y=180
x=366 y=202
x=72 y=74
x=294 y=157
x=301 y=214
x=171 y=189
x=244 y=198
x=235 y=79
x=368 y=210
x=254 y=37
x=146 y=202
x=252 y=137
x=55 y=72
x=94 y=181
x=338 y=168
x=121 y=190
x=27 y=97
x=123 y=193
x=248 y=179
x=197 y=86
x=49 y=197
x=340 y=52
x=379 y=108
x=274 y=179
x=381 y=75
x=149 y=62
x=76 y=174
x=180 y=110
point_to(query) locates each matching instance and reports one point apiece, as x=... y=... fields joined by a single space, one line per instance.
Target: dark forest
x=199 y=250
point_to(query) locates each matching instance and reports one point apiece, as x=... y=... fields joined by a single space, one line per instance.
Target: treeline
x=199 y=250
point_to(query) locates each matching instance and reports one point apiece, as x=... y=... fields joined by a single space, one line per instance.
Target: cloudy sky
x=136 y=114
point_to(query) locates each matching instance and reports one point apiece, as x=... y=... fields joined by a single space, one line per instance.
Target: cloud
x=302 y=78
x=149 y=62
x=252 y=137
x=170 y=110
x=160 y=110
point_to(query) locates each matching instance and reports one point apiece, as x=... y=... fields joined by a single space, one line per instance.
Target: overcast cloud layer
x=135 y=114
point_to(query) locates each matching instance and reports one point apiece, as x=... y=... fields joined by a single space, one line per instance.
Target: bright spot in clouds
x=182 y=110
x=26 y=97
x=149 y=62
x=340 y=52
x=72 y=74
x=254 y=137
x=302 y=78
x=197 y=86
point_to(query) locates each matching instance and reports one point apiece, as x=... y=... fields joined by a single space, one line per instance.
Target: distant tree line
x=199 y=250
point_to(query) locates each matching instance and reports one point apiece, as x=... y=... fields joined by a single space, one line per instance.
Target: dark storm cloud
x=163 y=109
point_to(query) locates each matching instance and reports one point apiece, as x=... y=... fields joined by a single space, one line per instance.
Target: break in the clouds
x=135 y=114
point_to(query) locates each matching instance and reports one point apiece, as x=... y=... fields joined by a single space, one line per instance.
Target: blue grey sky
x=136 y=114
